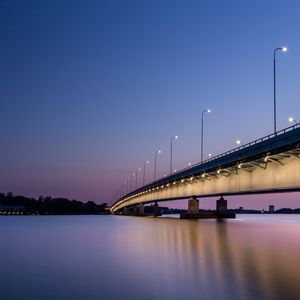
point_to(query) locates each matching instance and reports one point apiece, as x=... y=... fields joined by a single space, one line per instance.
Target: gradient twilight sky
x=91 y=89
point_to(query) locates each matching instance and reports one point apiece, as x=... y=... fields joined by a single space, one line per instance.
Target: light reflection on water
x=118 y=257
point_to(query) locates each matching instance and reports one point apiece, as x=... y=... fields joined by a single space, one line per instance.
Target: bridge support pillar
x=156 y=211
x=221 y=205
x=125 y=211
x=140 y=209
x=221 y=210
x=193 y=206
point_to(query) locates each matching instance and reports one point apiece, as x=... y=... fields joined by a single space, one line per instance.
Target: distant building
x=271 y=209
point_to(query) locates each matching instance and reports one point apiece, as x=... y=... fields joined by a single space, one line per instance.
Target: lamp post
x=157 y=152
x=144 y=171
x=126 y=186
x=239 y=143
x=132 y=175
x=203 y=112
x=136 y=177
x=175 y=137
x=292 y=120
x=283 y=49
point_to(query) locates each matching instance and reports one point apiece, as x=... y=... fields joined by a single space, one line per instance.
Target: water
x=117 y=257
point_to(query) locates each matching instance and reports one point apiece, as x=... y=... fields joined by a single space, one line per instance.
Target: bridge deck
x=260 y=149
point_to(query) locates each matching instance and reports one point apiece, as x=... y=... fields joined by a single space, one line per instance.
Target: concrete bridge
x=268 y=165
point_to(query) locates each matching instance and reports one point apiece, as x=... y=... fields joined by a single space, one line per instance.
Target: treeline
x=48 y=205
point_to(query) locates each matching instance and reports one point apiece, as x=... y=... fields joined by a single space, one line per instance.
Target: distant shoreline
x=20 y=205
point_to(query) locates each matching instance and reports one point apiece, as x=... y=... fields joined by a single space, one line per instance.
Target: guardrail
x=267 y=137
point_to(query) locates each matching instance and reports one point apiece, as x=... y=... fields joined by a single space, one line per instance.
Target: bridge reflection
x=215 y=260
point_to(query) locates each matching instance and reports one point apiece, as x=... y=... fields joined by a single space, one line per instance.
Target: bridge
x=270 y=164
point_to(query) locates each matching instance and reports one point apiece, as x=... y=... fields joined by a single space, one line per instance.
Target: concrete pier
x=221 y=205
x=221 y=210
x=193 y=210
x=193 y=206
x=156 y=211
x=140 y=209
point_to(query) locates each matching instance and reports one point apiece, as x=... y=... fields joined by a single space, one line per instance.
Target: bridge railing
x=267 y=137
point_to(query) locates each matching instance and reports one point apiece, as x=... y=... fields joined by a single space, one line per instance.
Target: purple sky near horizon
x=91 y=89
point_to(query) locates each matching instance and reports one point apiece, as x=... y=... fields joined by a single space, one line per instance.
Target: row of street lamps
x=175 y=137
x=127 y=188
x=238 y=142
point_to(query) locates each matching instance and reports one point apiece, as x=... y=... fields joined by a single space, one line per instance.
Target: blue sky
x=91 y=89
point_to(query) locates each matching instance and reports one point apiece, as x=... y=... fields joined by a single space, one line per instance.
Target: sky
x=89 y=90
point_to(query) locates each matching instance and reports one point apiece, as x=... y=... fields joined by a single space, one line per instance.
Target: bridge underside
x=275 y=173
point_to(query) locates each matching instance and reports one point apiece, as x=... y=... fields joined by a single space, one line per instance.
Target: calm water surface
x=118 y=257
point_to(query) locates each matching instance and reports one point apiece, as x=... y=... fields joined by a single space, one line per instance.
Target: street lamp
x=292 y=120
x=239 y=143
x=283 y=49
x=132 y=175
x=144 y=170
x=175 y=137
x=126 y=186
x=203 y=112
x=157 y=152
x=136 y=176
